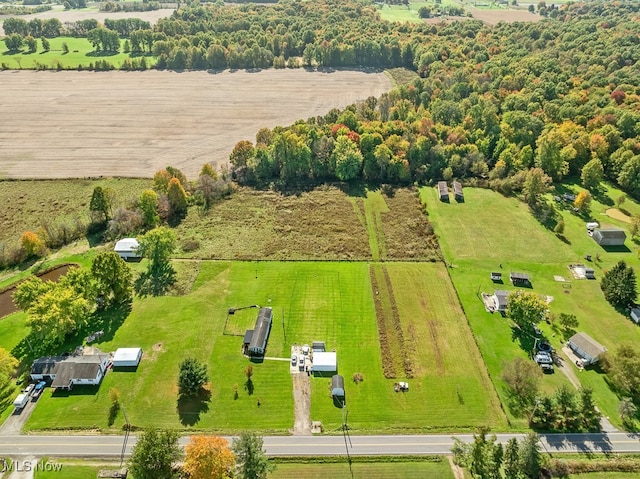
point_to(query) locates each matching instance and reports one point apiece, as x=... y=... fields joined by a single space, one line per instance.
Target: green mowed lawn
x=311 y=301
x=391 y=470
x=451 y=389
x=68 y=471
x=81 y=53
x=507 y=234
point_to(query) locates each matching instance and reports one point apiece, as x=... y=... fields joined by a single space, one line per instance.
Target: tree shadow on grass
x=76 y=391
x=101 y=54
x=249 y=386
x=526 y=340
x=155 y=283
x=191 y=407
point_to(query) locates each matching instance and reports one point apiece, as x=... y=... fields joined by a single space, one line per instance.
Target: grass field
x=327 y=301
x=323 y=224
x=32 y=204
x=403 y=13
x=489 y=230
x=392 y=470
x=81 y=53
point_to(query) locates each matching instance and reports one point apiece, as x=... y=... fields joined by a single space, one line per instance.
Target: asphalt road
x=111 y=446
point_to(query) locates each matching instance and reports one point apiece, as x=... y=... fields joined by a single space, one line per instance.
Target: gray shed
x=443 y=191
x=260 y=336
x=337 y=386
x=586 y=347
x=609 y=237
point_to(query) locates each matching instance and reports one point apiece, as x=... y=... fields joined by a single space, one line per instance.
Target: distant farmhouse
x=609 y=237
x=443 y=191
x=64 y=372
x=255 y=340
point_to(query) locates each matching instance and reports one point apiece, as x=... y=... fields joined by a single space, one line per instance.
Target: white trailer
x=21 y=401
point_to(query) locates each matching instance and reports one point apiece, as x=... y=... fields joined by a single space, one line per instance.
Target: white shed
x=324 y=362
x=127 y=249
x=127 y=357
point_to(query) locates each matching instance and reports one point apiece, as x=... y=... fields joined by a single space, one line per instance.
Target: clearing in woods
x=73 y=124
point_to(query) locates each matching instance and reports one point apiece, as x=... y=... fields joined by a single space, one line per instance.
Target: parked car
x=29 y=389
x=294 y=359
x=37 y=391
x=305 y=349
x=301 y=363
x=543 y=358
x=546 y=368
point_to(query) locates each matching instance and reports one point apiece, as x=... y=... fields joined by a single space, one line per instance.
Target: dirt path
x=301 y=404
x=132 y=124
x=563 y=363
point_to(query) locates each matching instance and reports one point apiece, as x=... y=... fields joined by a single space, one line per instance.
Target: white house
x=64 y=372
x=325 y=362
x=500 y=300
x=127 y=249
x=126 y=357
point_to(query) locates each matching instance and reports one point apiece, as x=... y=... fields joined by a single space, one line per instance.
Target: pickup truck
x=21 y=401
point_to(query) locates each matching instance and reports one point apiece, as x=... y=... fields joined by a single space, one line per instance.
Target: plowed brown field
x=87 y=124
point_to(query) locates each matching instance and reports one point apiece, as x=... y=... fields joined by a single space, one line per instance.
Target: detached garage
x=326 y=362
x=127 y=357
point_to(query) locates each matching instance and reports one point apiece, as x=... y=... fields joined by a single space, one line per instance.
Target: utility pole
x=127 y=428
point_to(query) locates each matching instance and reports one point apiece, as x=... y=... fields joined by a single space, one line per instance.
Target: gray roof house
x=609 y=237
x=64 y=372
x=260 y=335
x=587 y=348
x=501 y=300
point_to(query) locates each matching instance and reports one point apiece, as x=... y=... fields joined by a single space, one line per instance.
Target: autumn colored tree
x=208 y=457
x=31 y=245
x=161 y=180
x=208 y=170
x=583 y=201
x=241 y=153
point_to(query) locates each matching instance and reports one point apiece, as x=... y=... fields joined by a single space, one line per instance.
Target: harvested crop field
x=131 y=124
